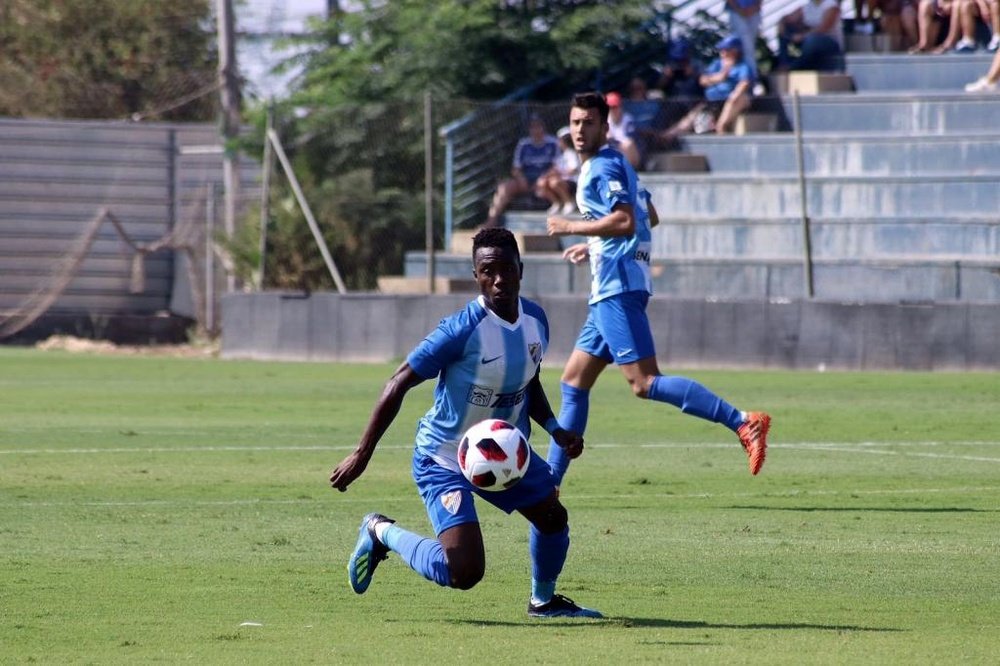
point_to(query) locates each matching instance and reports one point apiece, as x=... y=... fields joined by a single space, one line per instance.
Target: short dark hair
x=592 y=100
x=494 y=237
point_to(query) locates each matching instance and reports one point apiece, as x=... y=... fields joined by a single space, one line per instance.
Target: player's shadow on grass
x=661 y=623
x=847 y=509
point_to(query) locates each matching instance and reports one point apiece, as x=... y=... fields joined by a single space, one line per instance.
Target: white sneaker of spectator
x=982 y=84
x=965 y=46
x=568 y=208
x=553 y=209
x=994 y=43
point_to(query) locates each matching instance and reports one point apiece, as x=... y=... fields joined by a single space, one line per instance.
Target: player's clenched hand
x=570 y=441
x=349 y=469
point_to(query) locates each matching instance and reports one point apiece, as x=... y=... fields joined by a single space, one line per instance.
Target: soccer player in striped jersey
x=486 y=359
x=618 y=217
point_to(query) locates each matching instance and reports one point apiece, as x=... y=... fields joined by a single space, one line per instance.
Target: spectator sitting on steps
x=558 y=184
x=621 y=129
x=533 y=156
x=727 y=82
x=815 y=30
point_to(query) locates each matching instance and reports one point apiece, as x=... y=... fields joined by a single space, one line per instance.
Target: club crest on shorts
x=451 y=501
x=535 y=351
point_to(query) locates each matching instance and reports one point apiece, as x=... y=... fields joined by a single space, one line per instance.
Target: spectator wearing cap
x=533 y=156
x=815 y=30
x=679 y=76
x=558 y=184
x=728 y=83
x=621 y=129
x=744 y=22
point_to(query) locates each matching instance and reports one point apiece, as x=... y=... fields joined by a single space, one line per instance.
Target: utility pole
x=229 y=95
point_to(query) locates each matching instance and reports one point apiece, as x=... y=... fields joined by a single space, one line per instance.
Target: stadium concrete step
x=926 y=113
x=806 y=82
x=972 y=237
x=755 y=123
x=835 y=154
x=677 y=162
x=400 y=284
x=885 y=72
x=969 y=238
x=875 y=279
x=684 y=196
x=536 y=240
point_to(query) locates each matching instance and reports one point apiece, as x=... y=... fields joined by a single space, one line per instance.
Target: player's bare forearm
x=541 y=412
x=382 y=416
x=538 y=403
x=620 y=222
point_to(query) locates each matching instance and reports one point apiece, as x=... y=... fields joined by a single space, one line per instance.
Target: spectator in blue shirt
x=728 y=83
x=534 y=156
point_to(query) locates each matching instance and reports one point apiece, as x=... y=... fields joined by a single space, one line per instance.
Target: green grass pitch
x=157 y=510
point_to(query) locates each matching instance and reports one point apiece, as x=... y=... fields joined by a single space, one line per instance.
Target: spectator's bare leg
x=927 y=27
x=506 y=192
x=954 y=28
x=683 y=126
x=630 y=151
x=731 y=110
x=908 y=26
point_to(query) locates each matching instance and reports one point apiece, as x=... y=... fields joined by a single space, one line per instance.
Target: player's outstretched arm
x=619 y=222
x=541 y=412
x=382 y=416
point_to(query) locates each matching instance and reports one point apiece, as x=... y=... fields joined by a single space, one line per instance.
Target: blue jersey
x=617 y=264
x=484 y=365
x=534 y=160
x=738 y=73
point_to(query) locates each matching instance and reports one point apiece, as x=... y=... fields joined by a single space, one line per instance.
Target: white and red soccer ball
x=493 y=455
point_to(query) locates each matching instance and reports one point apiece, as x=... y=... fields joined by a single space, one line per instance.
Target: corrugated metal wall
x=56 y=175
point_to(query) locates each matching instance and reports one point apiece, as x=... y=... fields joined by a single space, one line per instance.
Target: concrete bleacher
x=902 y=194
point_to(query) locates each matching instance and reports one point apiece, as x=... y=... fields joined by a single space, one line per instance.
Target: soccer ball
x=493 y=455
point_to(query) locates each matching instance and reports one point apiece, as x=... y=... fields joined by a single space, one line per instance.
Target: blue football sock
x=695 y=399
x=423 y=555
x=572 y=416
x=548 y=554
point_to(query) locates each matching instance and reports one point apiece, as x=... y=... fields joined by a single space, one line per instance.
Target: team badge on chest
x=535 y=351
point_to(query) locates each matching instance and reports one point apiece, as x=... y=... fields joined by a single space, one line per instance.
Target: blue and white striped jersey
x=617 y=264
x=484 y=365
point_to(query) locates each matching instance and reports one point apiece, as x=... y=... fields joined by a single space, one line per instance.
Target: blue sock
x=548 y=554
x=695 y=399
x=572 y=416
x=423 y=555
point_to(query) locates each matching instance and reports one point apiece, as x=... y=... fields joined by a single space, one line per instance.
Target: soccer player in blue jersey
x=486 y=359
x=617 y=218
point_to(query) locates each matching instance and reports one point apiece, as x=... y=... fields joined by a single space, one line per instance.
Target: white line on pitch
x=392 y=500
x=852 y=447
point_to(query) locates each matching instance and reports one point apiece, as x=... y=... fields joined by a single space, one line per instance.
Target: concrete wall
x=689 y=333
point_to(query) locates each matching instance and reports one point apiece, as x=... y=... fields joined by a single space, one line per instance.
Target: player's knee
x=466 y=577
x=553 y=520
x=641 y=386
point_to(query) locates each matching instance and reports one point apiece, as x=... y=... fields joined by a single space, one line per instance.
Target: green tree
x=108 y=59
x=354 y=120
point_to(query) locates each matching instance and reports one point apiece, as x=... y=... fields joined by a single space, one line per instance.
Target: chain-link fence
x=363 y=173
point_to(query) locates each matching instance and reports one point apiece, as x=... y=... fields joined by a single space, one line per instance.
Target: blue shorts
x=448 y=495
x=617 y=329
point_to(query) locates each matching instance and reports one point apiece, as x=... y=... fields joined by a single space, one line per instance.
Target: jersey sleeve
x=518 y=154
x=440 y=348
x=613 y=184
